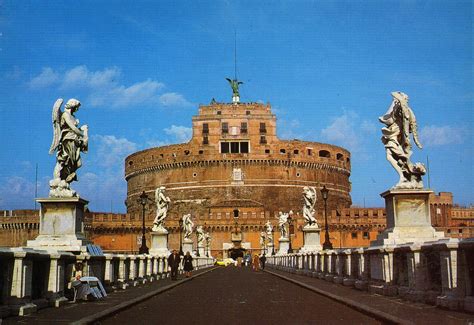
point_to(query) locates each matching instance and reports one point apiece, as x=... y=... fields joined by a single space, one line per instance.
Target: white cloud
x=137 y=93
x=111 y=151
x=433 y=135
x=173 y=99
x=46 y=78
x=105 y=89
x=180 y=133
x=348 y=131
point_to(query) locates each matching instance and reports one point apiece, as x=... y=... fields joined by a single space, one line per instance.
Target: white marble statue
x=309 y=195
x=400 y=122
x=162 y=205
x=263 y=238
x=269 y=230
x=201 y=236
x=69 y=141
x=188 y=225
x=282 y=222
x=207 y=238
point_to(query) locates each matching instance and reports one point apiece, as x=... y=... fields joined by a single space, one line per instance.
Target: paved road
x=239 y=296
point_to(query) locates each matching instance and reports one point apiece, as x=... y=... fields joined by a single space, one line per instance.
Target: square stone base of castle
x=61 y=225
x=408 y=218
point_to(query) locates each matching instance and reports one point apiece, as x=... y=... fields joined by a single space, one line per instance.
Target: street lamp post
x=327 y=243
x=143 y=201
x=290 y=221
x=273 y=241
x=181 y=253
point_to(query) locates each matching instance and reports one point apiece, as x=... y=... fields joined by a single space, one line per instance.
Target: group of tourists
x=174 y=260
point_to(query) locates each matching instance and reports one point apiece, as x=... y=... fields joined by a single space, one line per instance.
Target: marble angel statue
x=188 y=225
x=400 y=122
x=162 y=206
x=282 y=222
x=269 y=230
x=263 y=238
x=309 y=195
x=69 y=140
x=200 y=236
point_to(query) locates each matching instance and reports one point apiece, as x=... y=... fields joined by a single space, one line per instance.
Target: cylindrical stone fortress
x=235 y=161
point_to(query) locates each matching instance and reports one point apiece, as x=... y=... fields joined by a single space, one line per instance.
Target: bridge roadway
x=234 y=295
x=239 y=296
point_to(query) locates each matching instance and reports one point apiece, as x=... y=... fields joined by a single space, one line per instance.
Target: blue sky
x=141 y=68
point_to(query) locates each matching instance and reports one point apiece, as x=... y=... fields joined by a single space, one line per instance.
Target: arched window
x=324 y=154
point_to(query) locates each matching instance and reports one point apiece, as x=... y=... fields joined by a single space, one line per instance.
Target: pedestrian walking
x=263 y=259
x=173 y=263
x=188 y=264
x=255 y=263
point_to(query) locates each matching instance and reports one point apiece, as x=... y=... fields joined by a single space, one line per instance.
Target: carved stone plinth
x=284 y=246
x=201 y=250
x=61 y=225
x=312 y=241
x=408 y=218
x=188 y=246
x=159 y=242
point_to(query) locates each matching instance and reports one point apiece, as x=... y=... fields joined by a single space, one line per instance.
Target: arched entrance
x=235 y=253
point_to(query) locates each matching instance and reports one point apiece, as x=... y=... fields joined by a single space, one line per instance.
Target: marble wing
x=56 y=119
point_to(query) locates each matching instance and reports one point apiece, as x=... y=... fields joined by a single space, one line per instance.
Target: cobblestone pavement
x=234 y=295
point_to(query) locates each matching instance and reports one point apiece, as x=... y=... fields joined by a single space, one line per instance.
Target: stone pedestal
x=61 y=225
x=408 y=218
x=312 y=242
x=284 y=246
x=188 y=246
x=201 y=250
x=270 y=249
x=235 y=99
x=159 y=242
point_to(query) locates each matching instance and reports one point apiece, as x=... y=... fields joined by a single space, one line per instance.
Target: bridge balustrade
x=439 y=273
x=31 y=279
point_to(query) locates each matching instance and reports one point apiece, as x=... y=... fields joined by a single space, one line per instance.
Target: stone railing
x=439 y=273
x=31 y=279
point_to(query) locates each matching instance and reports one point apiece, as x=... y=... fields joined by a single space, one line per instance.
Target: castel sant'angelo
x=235 y=173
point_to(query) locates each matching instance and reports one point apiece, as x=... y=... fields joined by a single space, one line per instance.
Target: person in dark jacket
x=263 y=259
x=173 y=262
x=188 y=264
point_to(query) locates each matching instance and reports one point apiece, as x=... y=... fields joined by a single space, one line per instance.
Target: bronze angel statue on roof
x=69 y=141
x=400 y=122
x=234 y=84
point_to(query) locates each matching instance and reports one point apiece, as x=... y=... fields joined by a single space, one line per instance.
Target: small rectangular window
x=263 y=128
x=244 y=147
x=224 y=147
x=366 y=235
x=354 y=235
x=234 y=147
x=243 y=127
x=205 y=140
x=263 y=139
x=310 y=152
x=247 y=112
x=205 y=128
x=225 y=127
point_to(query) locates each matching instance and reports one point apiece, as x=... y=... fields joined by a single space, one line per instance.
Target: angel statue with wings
x=269 y=231
x=188 y=225
x=282 y=222
x=68 y=141
x=234 y=84
x=400 y=122
x=162 y=206
x=309 y=195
